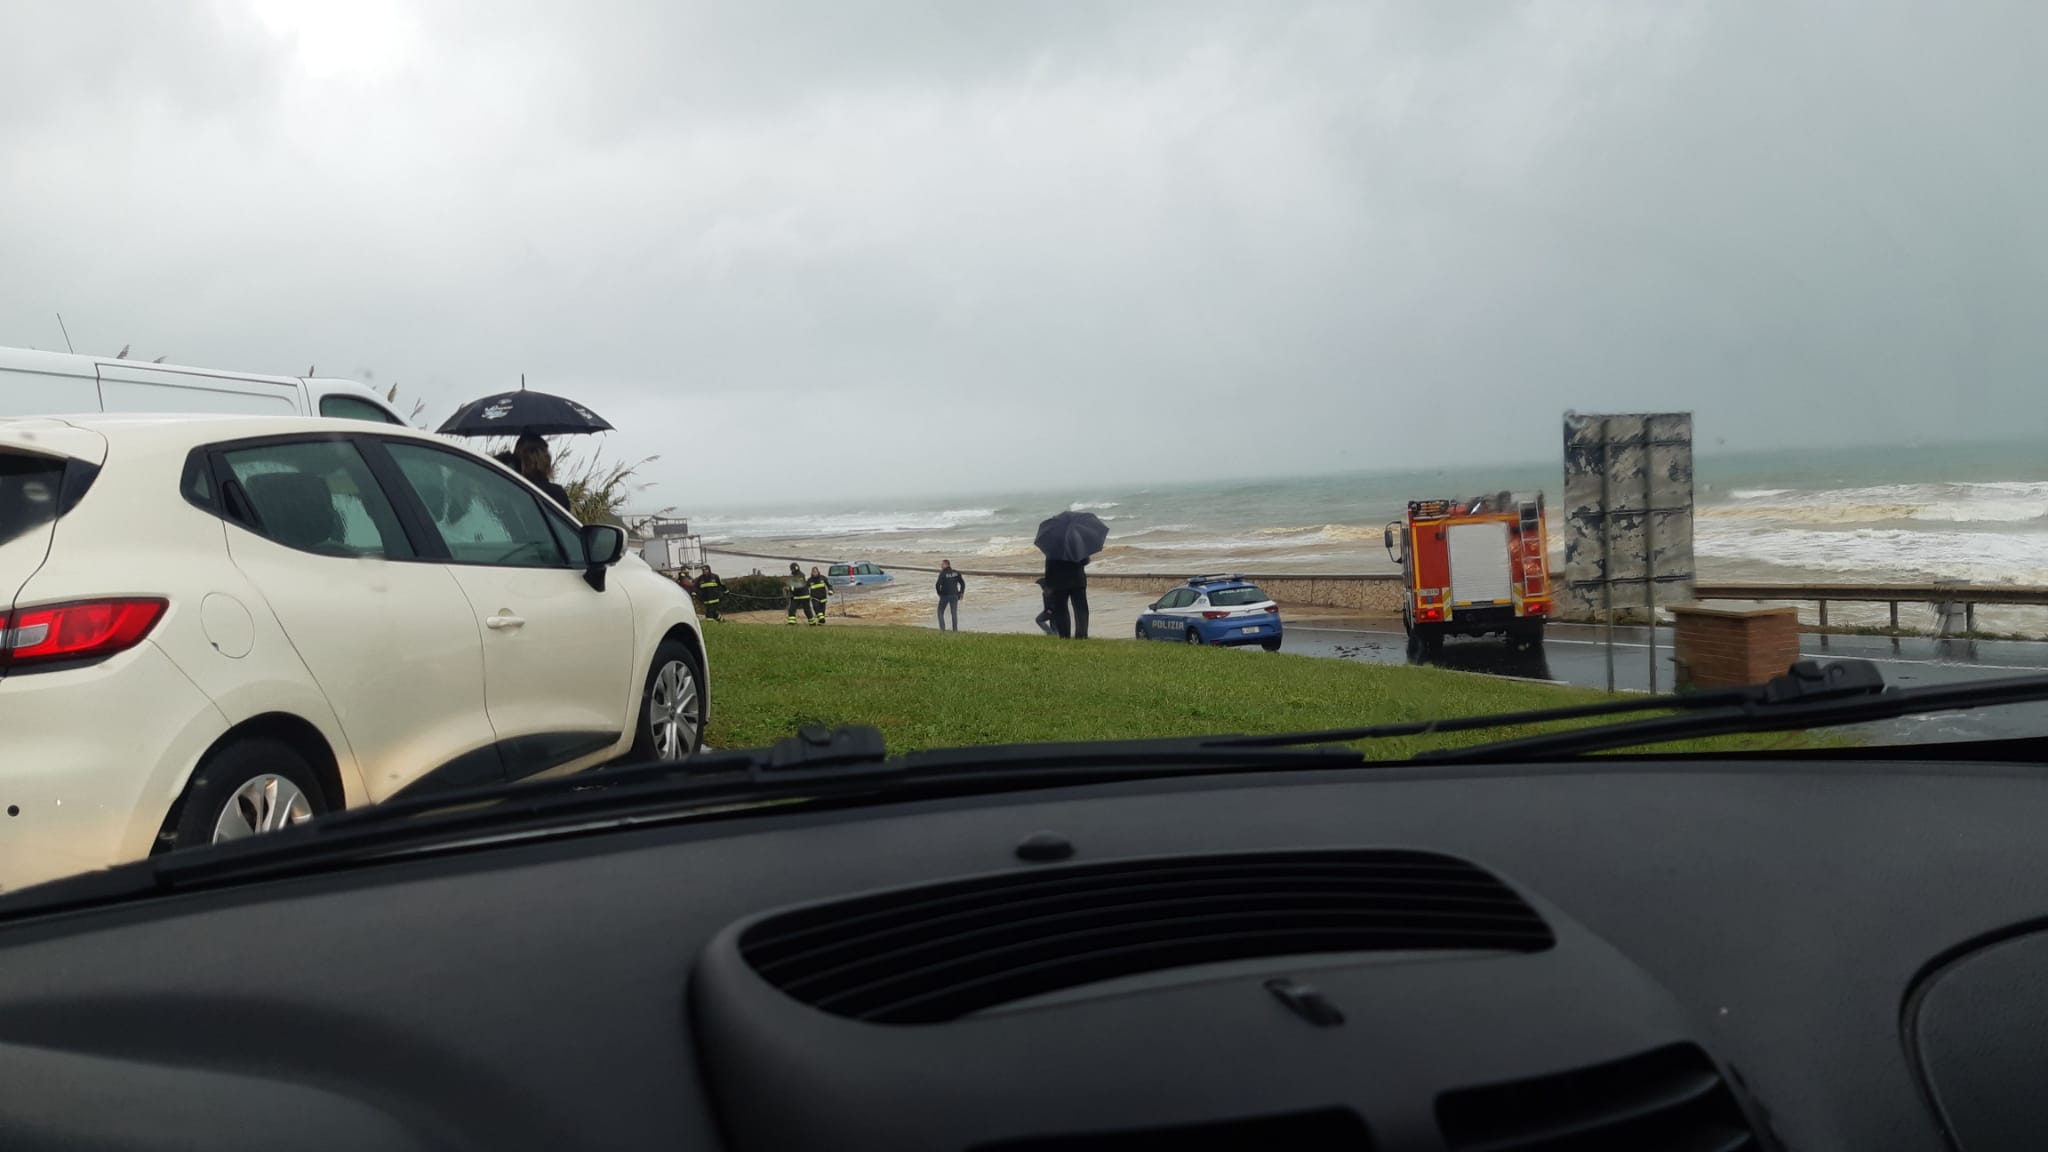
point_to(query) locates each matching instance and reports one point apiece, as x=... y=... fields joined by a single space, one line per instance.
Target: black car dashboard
x=1620 y=955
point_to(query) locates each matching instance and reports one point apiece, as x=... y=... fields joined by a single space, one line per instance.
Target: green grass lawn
x=926 y=689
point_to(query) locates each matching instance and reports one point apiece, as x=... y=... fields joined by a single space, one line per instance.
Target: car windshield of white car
x=1237 y=597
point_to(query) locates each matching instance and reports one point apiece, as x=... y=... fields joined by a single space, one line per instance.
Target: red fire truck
x=1472 y=568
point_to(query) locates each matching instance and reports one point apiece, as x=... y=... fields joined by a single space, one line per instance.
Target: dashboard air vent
x=1671 y=1098
x=928 y=954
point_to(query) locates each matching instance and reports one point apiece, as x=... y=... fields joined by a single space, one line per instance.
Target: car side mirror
x=1152 y=607
x=605 y=545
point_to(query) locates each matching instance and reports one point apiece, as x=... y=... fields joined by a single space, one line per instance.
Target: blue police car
x=1222 y=610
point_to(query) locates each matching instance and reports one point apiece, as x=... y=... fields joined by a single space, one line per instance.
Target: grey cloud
x=1032 y=239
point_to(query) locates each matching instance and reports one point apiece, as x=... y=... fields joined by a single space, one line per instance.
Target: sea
x=1913 y=512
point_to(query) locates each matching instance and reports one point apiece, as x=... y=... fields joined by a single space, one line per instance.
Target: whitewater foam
x=1007 y=546
x=773 y=527
x=2006 y=502
x=1885 y=553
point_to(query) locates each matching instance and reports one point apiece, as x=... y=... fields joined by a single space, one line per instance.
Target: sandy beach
x=991 y=605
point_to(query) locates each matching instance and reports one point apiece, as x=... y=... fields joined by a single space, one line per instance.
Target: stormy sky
x=846 y=250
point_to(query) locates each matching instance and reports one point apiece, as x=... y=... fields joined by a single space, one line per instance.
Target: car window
x=568 y=536
x=354 y=408
x=317 y=496
x=838 y=570
x=29 y=487
x=483 y=516
x=1232 y=597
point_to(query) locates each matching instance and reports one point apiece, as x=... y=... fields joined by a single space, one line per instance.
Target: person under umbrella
x=529 y=416
x=538 y=466
x=523 y=413
x=1068 y=540
x=1044 y=617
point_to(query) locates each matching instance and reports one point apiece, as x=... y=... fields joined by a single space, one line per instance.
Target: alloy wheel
x=674 y=711
x=263 y=803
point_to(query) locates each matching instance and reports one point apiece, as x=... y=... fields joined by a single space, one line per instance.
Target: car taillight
x=77 y=631
x=1215 y=615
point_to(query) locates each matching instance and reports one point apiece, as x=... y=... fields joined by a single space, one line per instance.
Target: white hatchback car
x=213 y=626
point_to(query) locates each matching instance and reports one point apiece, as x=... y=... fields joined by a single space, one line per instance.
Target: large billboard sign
x=1628 y=499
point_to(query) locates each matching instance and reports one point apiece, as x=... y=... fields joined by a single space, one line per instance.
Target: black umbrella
x=1071 y=536
x=520 y=413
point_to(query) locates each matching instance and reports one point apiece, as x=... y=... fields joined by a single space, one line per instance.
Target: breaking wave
x=771 y=527
x=1991 y=502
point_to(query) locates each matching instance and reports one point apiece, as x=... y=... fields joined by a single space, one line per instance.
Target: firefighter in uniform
x=799 y=593
x=710 y=591
x=821 y=590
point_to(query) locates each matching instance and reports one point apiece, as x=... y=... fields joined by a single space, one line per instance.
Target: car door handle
x=503 y=622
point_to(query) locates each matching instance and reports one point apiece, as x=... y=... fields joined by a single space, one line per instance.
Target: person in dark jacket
x=821 y=590
x=951 y=587
x=1044 y=617
x=1066 y=590
x=799 y=592
x=710 y=593
x=531 y=453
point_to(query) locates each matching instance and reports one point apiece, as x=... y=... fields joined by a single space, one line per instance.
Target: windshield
x=1521 y=355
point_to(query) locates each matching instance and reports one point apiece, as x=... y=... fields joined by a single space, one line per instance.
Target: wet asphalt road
x=1576 y=654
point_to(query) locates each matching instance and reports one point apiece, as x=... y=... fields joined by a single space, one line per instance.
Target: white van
x=63 y=384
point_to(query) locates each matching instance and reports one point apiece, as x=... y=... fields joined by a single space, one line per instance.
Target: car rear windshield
x=1232 y=597
x=29 y=486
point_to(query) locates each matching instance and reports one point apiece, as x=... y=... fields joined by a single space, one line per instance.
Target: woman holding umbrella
x=530 y=416
x=531 y=454
x=1068 y=540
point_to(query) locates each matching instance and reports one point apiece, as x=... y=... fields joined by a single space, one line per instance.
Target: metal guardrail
x=1967 y=595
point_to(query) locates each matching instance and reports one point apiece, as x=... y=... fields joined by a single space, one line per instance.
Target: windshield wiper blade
x=1785 y=712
